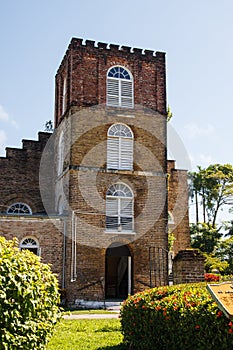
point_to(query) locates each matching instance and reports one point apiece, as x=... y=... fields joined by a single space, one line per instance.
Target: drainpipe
x=64 y=255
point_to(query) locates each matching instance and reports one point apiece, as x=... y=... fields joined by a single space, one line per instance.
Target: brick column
x=188 y=267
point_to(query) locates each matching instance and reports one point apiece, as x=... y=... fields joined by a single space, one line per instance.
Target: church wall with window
x=19 y=175
x=48 y=237
x=107 y=181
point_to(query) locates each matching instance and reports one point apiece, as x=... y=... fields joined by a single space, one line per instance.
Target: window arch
x=19 y=208
x=60 y=160
x=120 y=147
x=31 y=244
x=119 y=208
x=119 y=87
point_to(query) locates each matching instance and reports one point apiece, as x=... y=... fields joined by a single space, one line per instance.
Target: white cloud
x=204 y=160
x=193 y=130
x=3 y=114
x=14 y=124
x=3 y=139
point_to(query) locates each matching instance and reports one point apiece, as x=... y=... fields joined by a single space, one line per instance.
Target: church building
x=97 y=198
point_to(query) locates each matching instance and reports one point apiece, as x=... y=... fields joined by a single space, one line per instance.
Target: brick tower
x=110 y=118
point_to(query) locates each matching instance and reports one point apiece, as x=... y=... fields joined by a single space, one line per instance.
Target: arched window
x=30 y=244
x=64 y=96
x=60 y=160
x=120 y=147
x=119 y=208
x=19 y=208
x=119 y=87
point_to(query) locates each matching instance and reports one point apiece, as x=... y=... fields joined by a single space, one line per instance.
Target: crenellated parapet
x=19 y=174
x=106 y=48
x=81 y=77
x=28 y=147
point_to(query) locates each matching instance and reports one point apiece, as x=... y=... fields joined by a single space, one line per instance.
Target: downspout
x=64 y=255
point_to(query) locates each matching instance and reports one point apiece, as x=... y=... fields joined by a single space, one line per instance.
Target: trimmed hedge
x=29 y=299
x=175 y=317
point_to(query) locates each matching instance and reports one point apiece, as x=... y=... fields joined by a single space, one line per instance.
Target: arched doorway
x=118 y=271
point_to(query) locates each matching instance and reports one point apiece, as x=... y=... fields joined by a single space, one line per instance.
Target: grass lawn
x=87 y=335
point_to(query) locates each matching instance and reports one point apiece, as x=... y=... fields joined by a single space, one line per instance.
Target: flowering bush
x=211 y=277
x=28 y=299
x=175 y=317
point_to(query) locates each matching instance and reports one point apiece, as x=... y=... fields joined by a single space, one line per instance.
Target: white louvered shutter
x=113 y=153
x=126 y=214
x=126 y=154
x=112 y=207
x=112 y=213
x=119 y=208
x=126 y=94
x=113 y=92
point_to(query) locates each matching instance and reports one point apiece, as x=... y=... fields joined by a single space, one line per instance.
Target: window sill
x=120 y=232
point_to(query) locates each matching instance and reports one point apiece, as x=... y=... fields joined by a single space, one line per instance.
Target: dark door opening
x=118 y=272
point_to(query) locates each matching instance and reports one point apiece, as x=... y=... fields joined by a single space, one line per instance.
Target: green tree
x=212 y=262
x=204 y=237
x=29 y=299
x=212 y=189
x=224 y=252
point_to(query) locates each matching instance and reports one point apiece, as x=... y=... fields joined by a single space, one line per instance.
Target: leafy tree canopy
x=212 y=189
x=204 y=237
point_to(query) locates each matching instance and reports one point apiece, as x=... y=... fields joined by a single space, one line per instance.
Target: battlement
x=28 y=146
x=95 y=47
x=78 y=42
x=81 y=76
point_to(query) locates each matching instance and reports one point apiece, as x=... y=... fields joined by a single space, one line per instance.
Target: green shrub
x=28 y=299
x=175 y=317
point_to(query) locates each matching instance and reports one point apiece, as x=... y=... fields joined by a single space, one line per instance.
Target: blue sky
x=196 y=36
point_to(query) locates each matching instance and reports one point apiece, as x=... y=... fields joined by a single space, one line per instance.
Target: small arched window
x=19 y=208
x=120 y=147
x=119 y=208
x=60 y=160
x=31 y=244
x=119 y=87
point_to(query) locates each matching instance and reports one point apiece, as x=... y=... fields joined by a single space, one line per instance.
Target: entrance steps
x=111 y=305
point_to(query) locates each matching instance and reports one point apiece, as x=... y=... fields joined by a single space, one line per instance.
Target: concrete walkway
x=113 y=306
x=90 y=316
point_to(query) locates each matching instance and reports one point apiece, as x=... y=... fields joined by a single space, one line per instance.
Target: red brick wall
x=85 y=67
x=188 y=267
